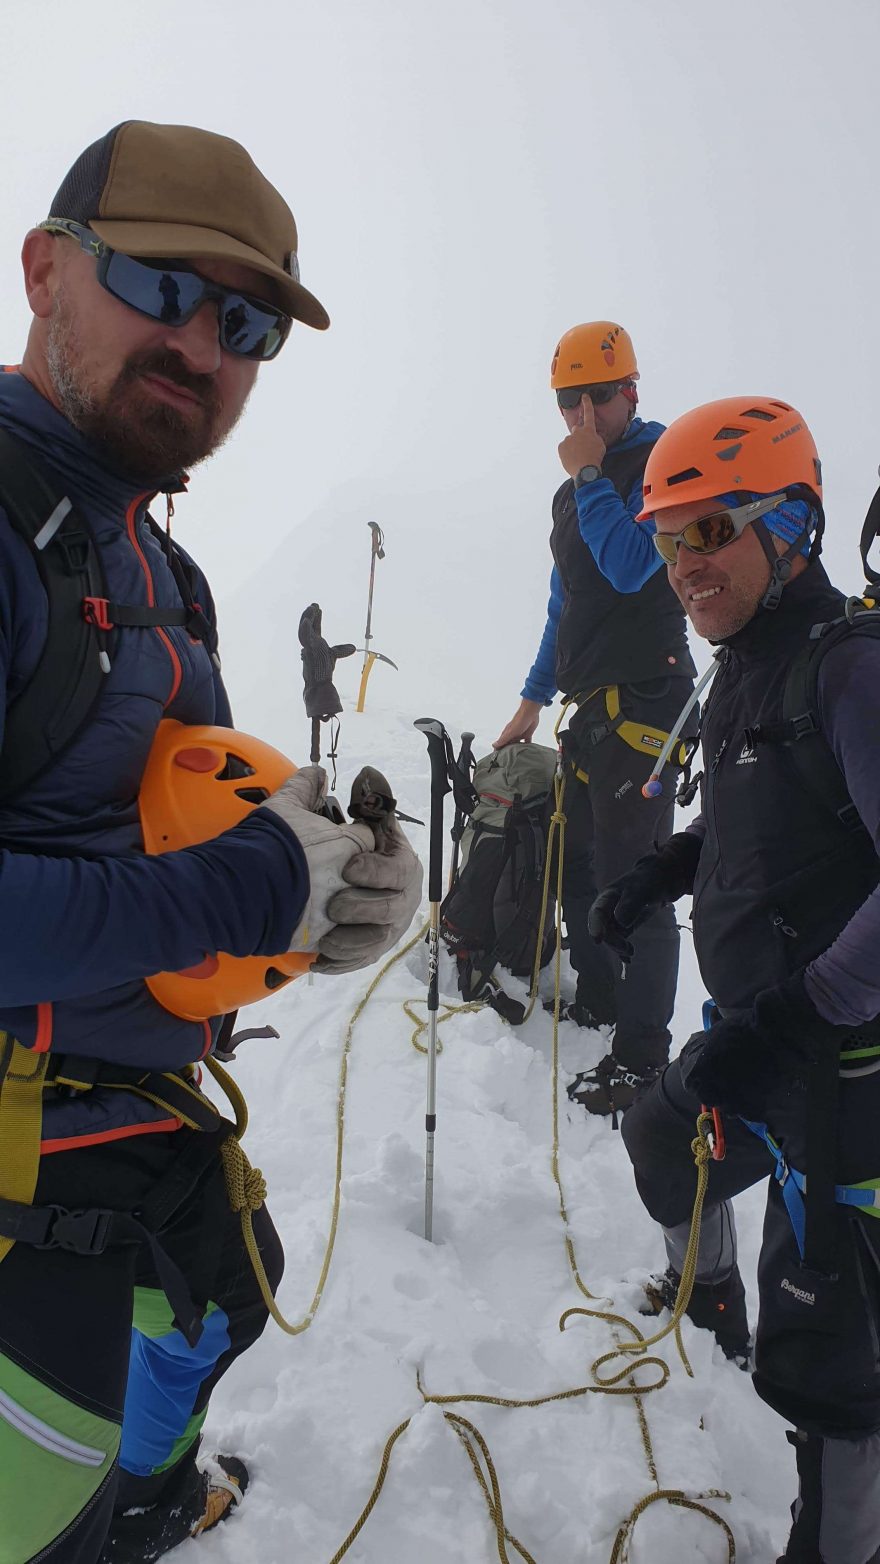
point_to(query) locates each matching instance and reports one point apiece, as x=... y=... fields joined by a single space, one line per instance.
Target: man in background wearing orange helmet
x=615 y=643
x=784 y=867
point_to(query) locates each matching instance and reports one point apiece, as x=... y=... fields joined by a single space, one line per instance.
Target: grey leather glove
x=328 y=848
x=381 y=898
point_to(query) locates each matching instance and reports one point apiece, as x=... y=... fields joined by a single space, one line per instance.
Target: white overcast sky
x=470 y=179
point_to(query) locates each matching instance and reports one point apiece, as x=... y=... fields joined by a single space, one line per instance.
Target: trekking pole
x=440 y=756
x=465 y=765
x=377 y=541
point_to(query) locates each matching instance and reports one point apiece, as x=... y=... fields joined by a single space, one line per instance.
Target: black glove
x=319 y=661
x=739 y=1065
x=653 y=881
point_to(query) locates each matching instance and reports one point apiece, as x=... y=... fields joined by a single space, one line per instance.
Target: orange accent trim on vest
x=130 y=518
x=43 y=1039
x=76 y=1142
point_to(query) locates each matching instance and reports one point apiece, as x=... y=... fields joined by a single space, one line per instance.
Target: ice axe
x=377 y=551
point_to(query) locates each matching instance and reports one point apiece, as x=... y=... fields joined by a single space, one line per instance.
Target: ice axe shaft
x=377 y=551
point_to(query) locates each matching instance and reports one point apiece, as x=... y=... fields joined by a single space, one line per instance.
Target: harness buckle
x=96 y=611
x=78 y=1232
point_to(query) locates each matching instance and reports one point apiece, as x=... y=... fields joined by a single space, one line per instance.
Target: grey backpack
x=491 y=913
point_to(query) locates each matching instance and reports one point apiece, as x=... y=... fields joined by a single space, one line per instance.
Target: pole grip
x=438 y=752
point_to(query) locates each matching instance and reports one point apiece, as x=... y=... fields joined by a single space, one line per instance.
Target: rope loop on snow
x=620 y=1551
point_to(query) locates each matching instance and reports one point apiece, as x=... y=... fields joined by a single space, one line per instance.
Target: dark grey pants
x=609 y=824
x=817 y=1351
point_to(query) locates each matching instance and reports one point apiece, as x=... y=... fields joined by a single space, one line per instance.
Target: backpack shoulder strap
x=870 y=531
x=59 y=697
x=202 y=619
x=800 y=711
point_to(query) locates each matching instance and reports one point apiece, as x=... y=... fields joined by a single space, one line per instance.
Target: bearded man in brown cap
x=165 y=274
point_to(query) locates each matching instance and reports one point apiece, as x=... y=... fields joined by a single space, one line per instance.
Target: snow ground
x=477 y=1311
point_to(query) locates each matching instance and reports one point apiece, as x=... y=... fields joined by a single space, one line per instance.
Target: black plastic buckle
x=96 y=611
x=75 y=550
x=79 y=1232
x=804 y=725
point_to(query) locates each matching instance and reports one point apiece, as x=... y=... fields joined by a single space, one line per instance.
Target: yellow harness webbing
x=638 y=735
x=21 y=1117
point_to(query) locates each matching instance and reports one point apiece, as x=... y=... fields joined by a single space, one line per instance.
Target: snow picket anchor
x=377 y=551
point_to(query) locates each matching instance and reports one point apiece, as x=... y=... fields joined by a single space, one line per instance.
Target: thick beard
x=134 y=433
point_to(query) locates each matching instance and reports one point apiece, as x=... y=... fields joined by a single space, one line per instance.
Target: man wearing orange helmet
x=615 y=643
x=784 y=867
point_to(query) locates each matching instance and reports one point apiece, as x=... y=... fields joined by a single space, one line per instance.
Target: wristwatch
x=587 y=474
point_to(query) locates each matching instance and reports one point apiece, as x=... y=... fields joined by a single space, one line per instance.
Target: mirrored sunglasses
x=710 y=533
x=570 y=396
x=171 y=292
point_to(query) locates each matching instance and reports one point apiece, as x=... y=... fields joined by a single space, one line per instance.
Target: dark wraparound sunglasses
x=570 y=396
x=711 y=533
x=171 y=292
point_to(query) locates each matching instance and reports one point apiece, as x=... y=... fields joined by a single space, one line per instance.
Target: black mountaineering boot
x=718 y=1306
x=580 y=1013
x=197 y=1500
x=610 y=1087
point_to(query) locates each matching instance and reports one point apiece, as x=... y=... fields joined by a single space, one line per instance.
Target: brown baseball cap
x=163 y=191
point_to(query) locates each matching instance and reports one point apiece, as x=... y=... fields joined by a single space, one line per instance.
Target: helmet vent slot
x=730 y=433
x=235 y=767
x=683 y=477
x=253 y=795
x=761 y=413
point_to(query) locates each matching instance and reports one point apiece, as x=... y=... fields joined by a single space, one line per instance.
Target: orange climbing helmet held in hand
x=199 y=782
x=748 y=444
x=591 y=354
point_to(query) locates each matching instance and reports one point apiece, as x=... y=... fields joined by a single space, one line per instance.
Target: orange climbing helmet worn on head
x=747 y=444
x=593 y=353
x=199 y=782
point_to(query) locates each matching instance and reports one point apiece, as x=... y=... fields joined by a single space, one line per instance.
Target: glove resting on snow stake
x=653 y=882
x=741 y=1065
x=319 y=662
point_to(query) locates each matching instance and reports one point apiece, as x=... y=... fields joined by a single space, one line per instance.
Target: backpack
x=491 y=912
x=59 y=698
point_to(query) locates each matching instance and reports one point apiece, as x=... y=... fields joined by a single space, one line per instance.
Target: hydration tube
x=653 y=786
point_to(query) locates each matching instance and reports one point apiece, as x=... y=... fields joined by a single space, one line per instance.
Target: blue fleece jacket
x=624 y=553
x=85 y=914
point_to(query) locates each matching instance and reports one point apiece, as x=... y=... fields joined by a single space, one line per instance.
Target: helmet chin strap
x=632 y=396
x=781 y=564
